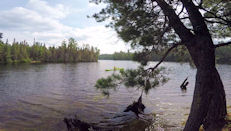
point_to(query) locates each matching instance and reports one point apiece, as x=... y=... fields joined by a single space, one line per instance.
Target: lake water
x=39 y=96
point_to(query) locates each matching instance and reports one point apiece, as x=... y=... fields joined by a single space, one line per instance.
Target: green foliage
x=122 y=55
x=106 y=57
x=133 y=78
x=117 y=56
x=135 y=22
x=1 y=36
x=22 y=52
x=222 y=10
x=179 y=54
x=145 y=26
x=223 y=55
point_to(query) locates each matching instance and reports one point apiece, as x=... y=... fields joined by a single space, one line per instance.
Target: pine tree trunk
x=209 y=103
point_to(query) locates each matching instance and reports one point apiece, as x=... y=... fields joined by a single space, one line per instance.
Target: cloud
x=98 y=6
x=20 y=18
x=58 y=11
x=42 y=21
x=104 y=38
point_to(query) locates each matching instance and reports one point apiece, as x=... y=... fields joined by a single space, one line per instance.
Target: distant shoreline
x=41 y=62
x=223 y=56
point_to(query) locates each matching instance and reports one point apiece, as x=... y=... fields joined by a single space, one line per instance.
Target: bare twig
x=216 y=16
x=184 y=18
x=200 y=4
x=182 y=9
x=218 y=22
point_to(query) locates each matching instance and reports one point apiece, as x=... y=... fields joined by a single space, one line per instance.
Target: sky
x=52 y=21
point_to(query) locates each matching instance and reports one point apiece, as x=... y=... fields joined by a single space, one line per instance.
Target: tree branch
x=222 y=44
x=165 y=55
x=182 y=9
x=228 y=22
x=200 y=4
x=174 y=21
x=183 y=18
x=218 y=22
x=196 y=18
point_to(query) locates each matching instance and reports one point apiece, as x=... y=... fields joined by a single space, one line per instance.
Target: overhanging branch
x=222 y=44
x=175 y=21
x=195 y=18
x=165 y=55
x=228 y=22
x=218 y=22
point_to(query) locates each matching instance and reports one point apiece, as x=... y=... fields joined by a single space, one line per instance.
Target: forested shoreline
x=70 y=51
x=223 y=56
x=117 y=56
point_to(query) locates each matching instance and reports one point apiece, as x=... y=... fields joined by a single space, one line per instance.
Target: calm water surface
x=40 y=96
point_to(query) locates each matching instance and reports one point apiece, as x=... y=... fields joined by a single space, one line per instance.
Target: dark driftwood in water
x=183 y=86
x=74 y=124
x=137 y=107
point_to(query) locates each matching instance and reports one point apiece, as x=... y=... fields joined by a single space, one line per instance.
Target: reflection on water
x=40 y=96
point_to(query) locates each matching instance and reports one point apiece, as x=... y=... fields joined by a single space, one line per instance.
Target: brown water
x=40 y=96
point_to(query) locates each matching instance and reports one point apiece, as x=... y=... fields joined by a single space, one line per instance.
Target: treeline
x=117 y=56
x=132 y=56
x=22 y=52
x=223 y=56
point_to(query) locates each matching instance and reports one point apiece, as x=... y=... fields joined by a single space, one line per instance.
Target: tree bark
x=209 y=103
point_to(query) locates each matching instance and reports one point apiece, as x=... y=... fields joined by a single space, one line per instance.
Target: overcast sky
x=52 y=21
